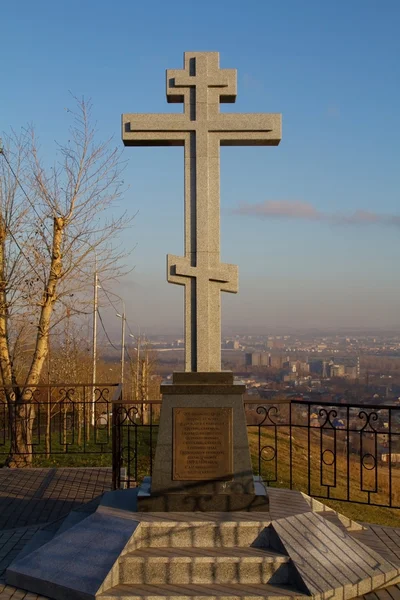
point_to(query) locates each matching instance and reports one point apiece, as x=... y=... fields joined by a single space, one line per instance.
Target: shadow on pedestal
x=202 y=460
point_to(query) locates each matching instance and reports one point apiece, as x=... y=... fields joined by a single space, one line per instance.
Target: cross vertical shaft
x=201 y=86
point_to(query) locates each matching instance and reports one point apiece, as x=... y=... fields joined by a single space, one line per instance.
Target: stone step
x=194 y=592
x=200 y=533
x=204 y=566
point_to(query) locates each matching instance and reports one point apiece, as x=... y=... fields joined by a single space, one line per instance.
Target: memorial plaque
x=202 y=447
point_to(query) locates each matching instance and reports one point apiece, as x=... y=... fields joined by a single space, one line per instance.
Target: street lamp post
x=123 y=319
x=94 y=347
x=137 y=362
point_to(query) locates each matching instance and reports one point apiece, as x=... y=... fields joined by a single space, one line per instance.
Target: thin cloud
x=305 y=211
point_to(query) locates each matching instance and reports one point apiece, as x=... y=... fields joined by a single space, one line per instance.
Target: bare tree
x=53 y=224
x=143 y=381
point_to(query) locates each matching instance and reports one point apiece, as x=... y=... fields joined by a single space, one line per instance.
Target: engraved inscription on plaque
x=202 y=448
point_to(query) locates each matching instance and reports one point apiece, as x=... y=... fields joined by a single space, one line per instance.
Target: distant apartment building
x=263 y=359
x=257 y=359
x=276 y=361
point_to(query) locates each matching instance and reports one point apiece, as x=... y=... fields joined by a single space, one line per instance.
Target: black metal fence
x=343 y=452
x=135 y=429
x=62 y=425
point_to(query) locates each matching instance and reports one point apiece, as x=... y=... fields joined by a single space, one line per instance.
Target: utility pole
x=123 y=347
x=138 y=369
x=95 y=303
x=123 y=319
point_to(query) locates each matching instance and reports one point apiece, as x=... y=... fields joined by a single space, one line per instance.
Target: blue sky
x=311 y=223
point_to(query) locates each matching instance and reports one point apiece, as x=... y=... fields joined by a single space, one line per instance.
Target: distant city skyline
x=313 y=224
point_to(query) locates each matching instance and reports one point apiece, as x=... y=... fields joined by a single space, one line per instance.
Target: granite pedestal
x=202 y=432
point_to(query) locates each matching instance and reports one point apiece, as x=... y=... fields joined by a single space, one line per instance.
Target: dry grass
x=335 y=482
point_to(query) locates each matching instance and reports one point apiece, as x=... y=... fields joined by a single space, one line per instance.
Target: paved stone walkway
x=32 y=498
x=36 y=496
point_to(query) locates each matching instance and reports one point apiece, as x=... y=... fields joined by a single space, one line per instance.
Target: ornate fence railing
x=135 y=431
x=343 y=452
x=63 y=424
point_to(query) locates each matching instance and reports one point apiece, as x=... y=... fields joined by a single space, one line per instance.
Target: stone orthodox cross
x=202 y=129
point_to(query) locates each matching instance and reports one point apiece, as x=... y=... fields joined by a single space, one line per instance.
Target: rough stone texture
x=199 y=530
x=204 y=565
x=193 y=591
x=213 y=389
x=201 y=86
x=197 y=378
x=202 y=502
x=162 y=482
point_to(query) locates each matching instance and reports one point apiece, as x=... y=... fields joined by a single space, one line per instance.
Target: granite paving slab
x=330 y=560
x=384 y=540
x=77 y=562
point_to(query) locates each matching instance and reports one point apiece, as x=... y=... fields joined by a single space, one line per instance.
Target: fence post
x=116 y=438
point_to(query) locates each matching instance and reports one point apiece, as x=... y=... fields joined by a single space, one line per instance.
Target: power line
x=108 y=297
x=105 y=331
x=116 y=309
x=126 y=351
x=131 y=332
x=128 y=354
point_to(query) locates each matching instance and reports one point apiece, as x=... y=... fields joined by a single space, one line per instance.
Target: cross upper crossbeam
x=201 y=86
x=231 y=129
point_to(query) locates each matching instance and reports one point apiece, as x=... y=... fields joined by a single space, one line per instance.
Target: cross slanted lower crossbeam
x=201 y=86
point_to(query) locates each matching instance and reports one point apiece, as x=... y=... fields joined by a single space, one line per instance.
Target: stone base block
x=203 y=503
x=147 y=501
